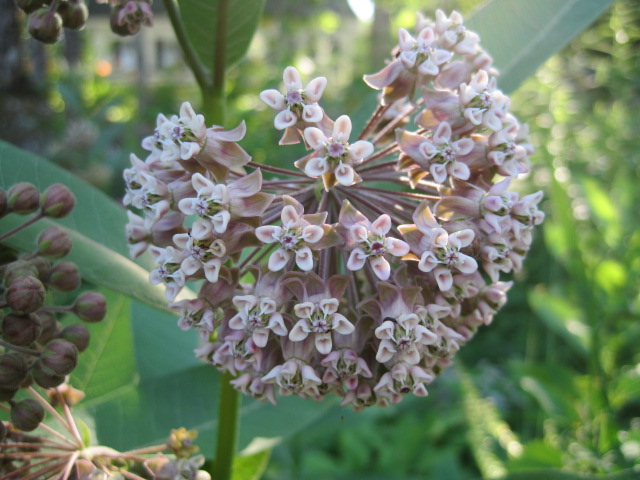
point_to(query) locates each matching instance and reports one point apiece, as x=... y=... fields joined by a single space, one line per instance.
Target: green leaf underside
x=521 y=35
x=250 y=467
x=96 y=226
x=244 y=16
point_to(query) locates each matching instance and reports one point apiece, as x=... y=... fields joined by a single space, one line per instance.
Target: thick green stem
x=215 y=97
x=228 y=423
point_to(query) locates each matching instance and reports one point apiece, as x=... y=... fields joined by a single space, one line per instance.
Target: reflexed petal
x=285 y=119
x=438 y=172
x=201 y=229
x=315 y=138
x=464 y=145
x=315 y=88
x=408 y=58
x=426 y=36
x=291 y=79
x=323 y=343
x=276 y=324
x=382 y=225
x=190 y=265
x=329 y=306
x=312 y=113
x=344 y=174
x=358 y=233
x=462 y=238
x=268 y=233
x=342 y=129
x=236 y=322
x=342 y=325
x=442 y=133
x=279 y=259
x=289 y=216
x=405 y=39
x=212 y=269
x=260 y=337
x=444 y=278
x=181 y=239
x=304 y=259
x=357 y=259
x=381 y=267
x=304 y=309
x=220 y=221
x=428 y=261
x=244 y=302
x=316 y=166
x=360 y=149
x=396 y=247
x=385 y=351
x=186 y=205
x=466 y=264
x=384 y=77
x=428 y=68
x=273 y=98
x=459 y=170
x=312 y=233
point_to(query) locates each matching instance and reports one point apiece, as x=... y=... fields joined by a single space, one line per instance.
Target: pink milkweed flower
x=168 y=271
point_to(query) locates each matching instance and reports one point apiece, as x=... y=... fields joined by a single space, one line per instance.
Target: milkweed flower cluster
x=363 y=268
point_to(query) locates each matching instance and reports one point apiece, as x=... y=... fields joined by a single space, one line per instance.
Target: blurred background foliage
x=555 y=381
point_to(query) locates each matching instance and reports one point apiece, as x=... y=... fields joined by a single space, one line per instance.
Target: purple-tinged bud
x=26 y=414
x=7 y=394
x=90 y=307
x=45 y=25
x=23 y=198
x=50 y=327
x=65 y=276
x=4 y=207
x=59 y=357
x=54 y=242
x=13 y=370
x=18 y=269
x=57 y=201
x=44 y=379
x=78 y=335
x=26 y=294
x=119 y=27
x=21 y=330
x=43 y=266
x=29 y=6
x=74 y=14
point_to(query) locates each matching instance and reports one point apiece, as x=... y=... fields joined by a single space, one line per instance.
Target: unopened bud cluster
x=34 y=346
x=361 y=270
x=47 y=18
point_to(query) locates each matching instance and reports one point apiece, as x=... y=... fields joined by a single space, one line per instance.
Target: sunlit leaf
x=522 y=34
x=200 y=18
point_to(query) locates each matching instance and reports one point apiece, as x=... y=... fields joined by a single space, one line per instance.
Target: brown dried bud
x=13 y=370
x=69 y=395
x=54 y=242
x=21 y=330
x=17 y=269
x=74 y=14
x=90 y=307
x=59 y=357
x=45 y=380
x=57 y=201
x=65 y=276
x=45 y=25
x=78 y=335
x=26 y=414
x=43 y=266
x=23 y=198
x=26 y=294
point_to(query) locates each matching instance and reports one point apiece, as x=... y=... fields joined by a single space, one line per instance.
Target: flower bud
x=70 y=395
x=90 y=307
x=54 y=242
x=17 y=269
x=76 y=334
x=13 y=370
x=45 y=25
x=21 y=330
x=29 y=6
x=44 y=379
x=23 y=198
x=26 y=414
x=59 y=357
x=65 y=276
x=43 y=267
x=74 y=14
x=4 y=208
x=26 y=294
x=50 y=327
x=57 y=201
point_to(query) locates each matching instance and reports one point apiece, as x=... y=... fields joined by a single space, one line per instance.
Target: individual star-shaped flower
x=168 y=271
x=258 y=316
x=295 y=236
x=201 y=253
x=483 y=105
x=334 y=157
x=369 y=241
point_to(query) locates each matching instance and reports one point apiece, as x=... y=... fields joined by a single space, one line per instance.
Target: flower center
x=289 y=241
x=294 y=96
x=336 y=149
x=377 y=248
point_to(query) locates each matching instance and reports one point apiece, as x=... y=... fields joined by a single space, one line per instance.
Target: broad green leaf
x=553 y=474
x=200 y=18
x=522 y=34
x=563 y=318
x=96 y=226
x=252 y=462
x=537 y=454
